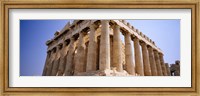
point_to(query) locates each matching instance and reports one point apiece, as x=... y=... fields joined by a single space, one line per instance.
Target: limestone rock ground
x=106 y=72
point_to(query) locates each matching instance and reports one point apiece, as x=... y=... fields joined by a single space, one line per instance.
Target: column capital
x=105 y=20
x=66 y=42
x=127 y=33
x=75 y=36
x=135 y=37
x=53 y=50
x=150 y=47
x=113 y=25
x=161 y=54
x=93 y=26
x=56 y=47
x=116 y=28
x=72 y=39
x=143 y=43
x=155 y=50
x=116 y=25
x=83 y=33
x=59 y=46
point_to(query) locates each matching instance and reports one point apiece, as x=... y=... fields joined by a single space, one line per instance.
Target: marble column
x=129 y=55
x=158 y=65
x=91 y=54
x=162 y=64
x=69 y=63
x=152 y=61
x=46 y=63
x=63 y=59
x=168 y=69
x=56 y=61
x=138 y=59
x=104 y=62
x=147 y=68
x=117 y=49
x=80 y=65
x=51 y=61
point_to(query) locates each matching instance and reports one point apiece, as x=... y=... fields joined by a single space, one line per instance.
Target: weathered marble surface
x=95 y=47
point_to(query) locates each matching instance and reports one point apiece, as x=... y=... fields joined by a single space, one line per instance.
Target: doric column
x=158 y=65
x=56 y=61
x=117 y=49
x=68 y=67
x=168 y=69
x=63 y=59
x=152 y=61
x=147 y=69
x=129 y=55
x=138 y=59
x=46 y=63
x=163 y=64
x=50 y=63
x=80 y=65
x=91 y=54
x=104 y=62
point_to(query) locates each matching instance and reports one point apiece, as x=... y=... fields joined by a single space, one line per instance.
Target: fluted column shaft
x=138 y=59
x=50 y=63
x=152 y=61
x=158 y=65
x=80 y=65
x=147 y=69
x=56 y=62
x=104 y=62
x=46 y=63
x=168 y=69
x=129 y=55
x=117 y=49
x=163 y=64
x=63 y=60
x=68 y=67
x=92 y=47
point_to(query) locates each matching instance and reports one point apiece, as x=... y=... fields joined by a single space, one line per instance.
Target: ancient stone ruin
x=95 y=48
x=175 y=68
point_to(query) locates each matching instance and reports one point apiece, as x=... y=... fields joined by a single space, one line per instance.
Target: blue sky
x=34 y=34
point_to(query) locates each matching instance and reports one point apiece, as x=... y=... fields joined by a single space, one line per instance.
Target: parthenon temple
x=96 y=48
